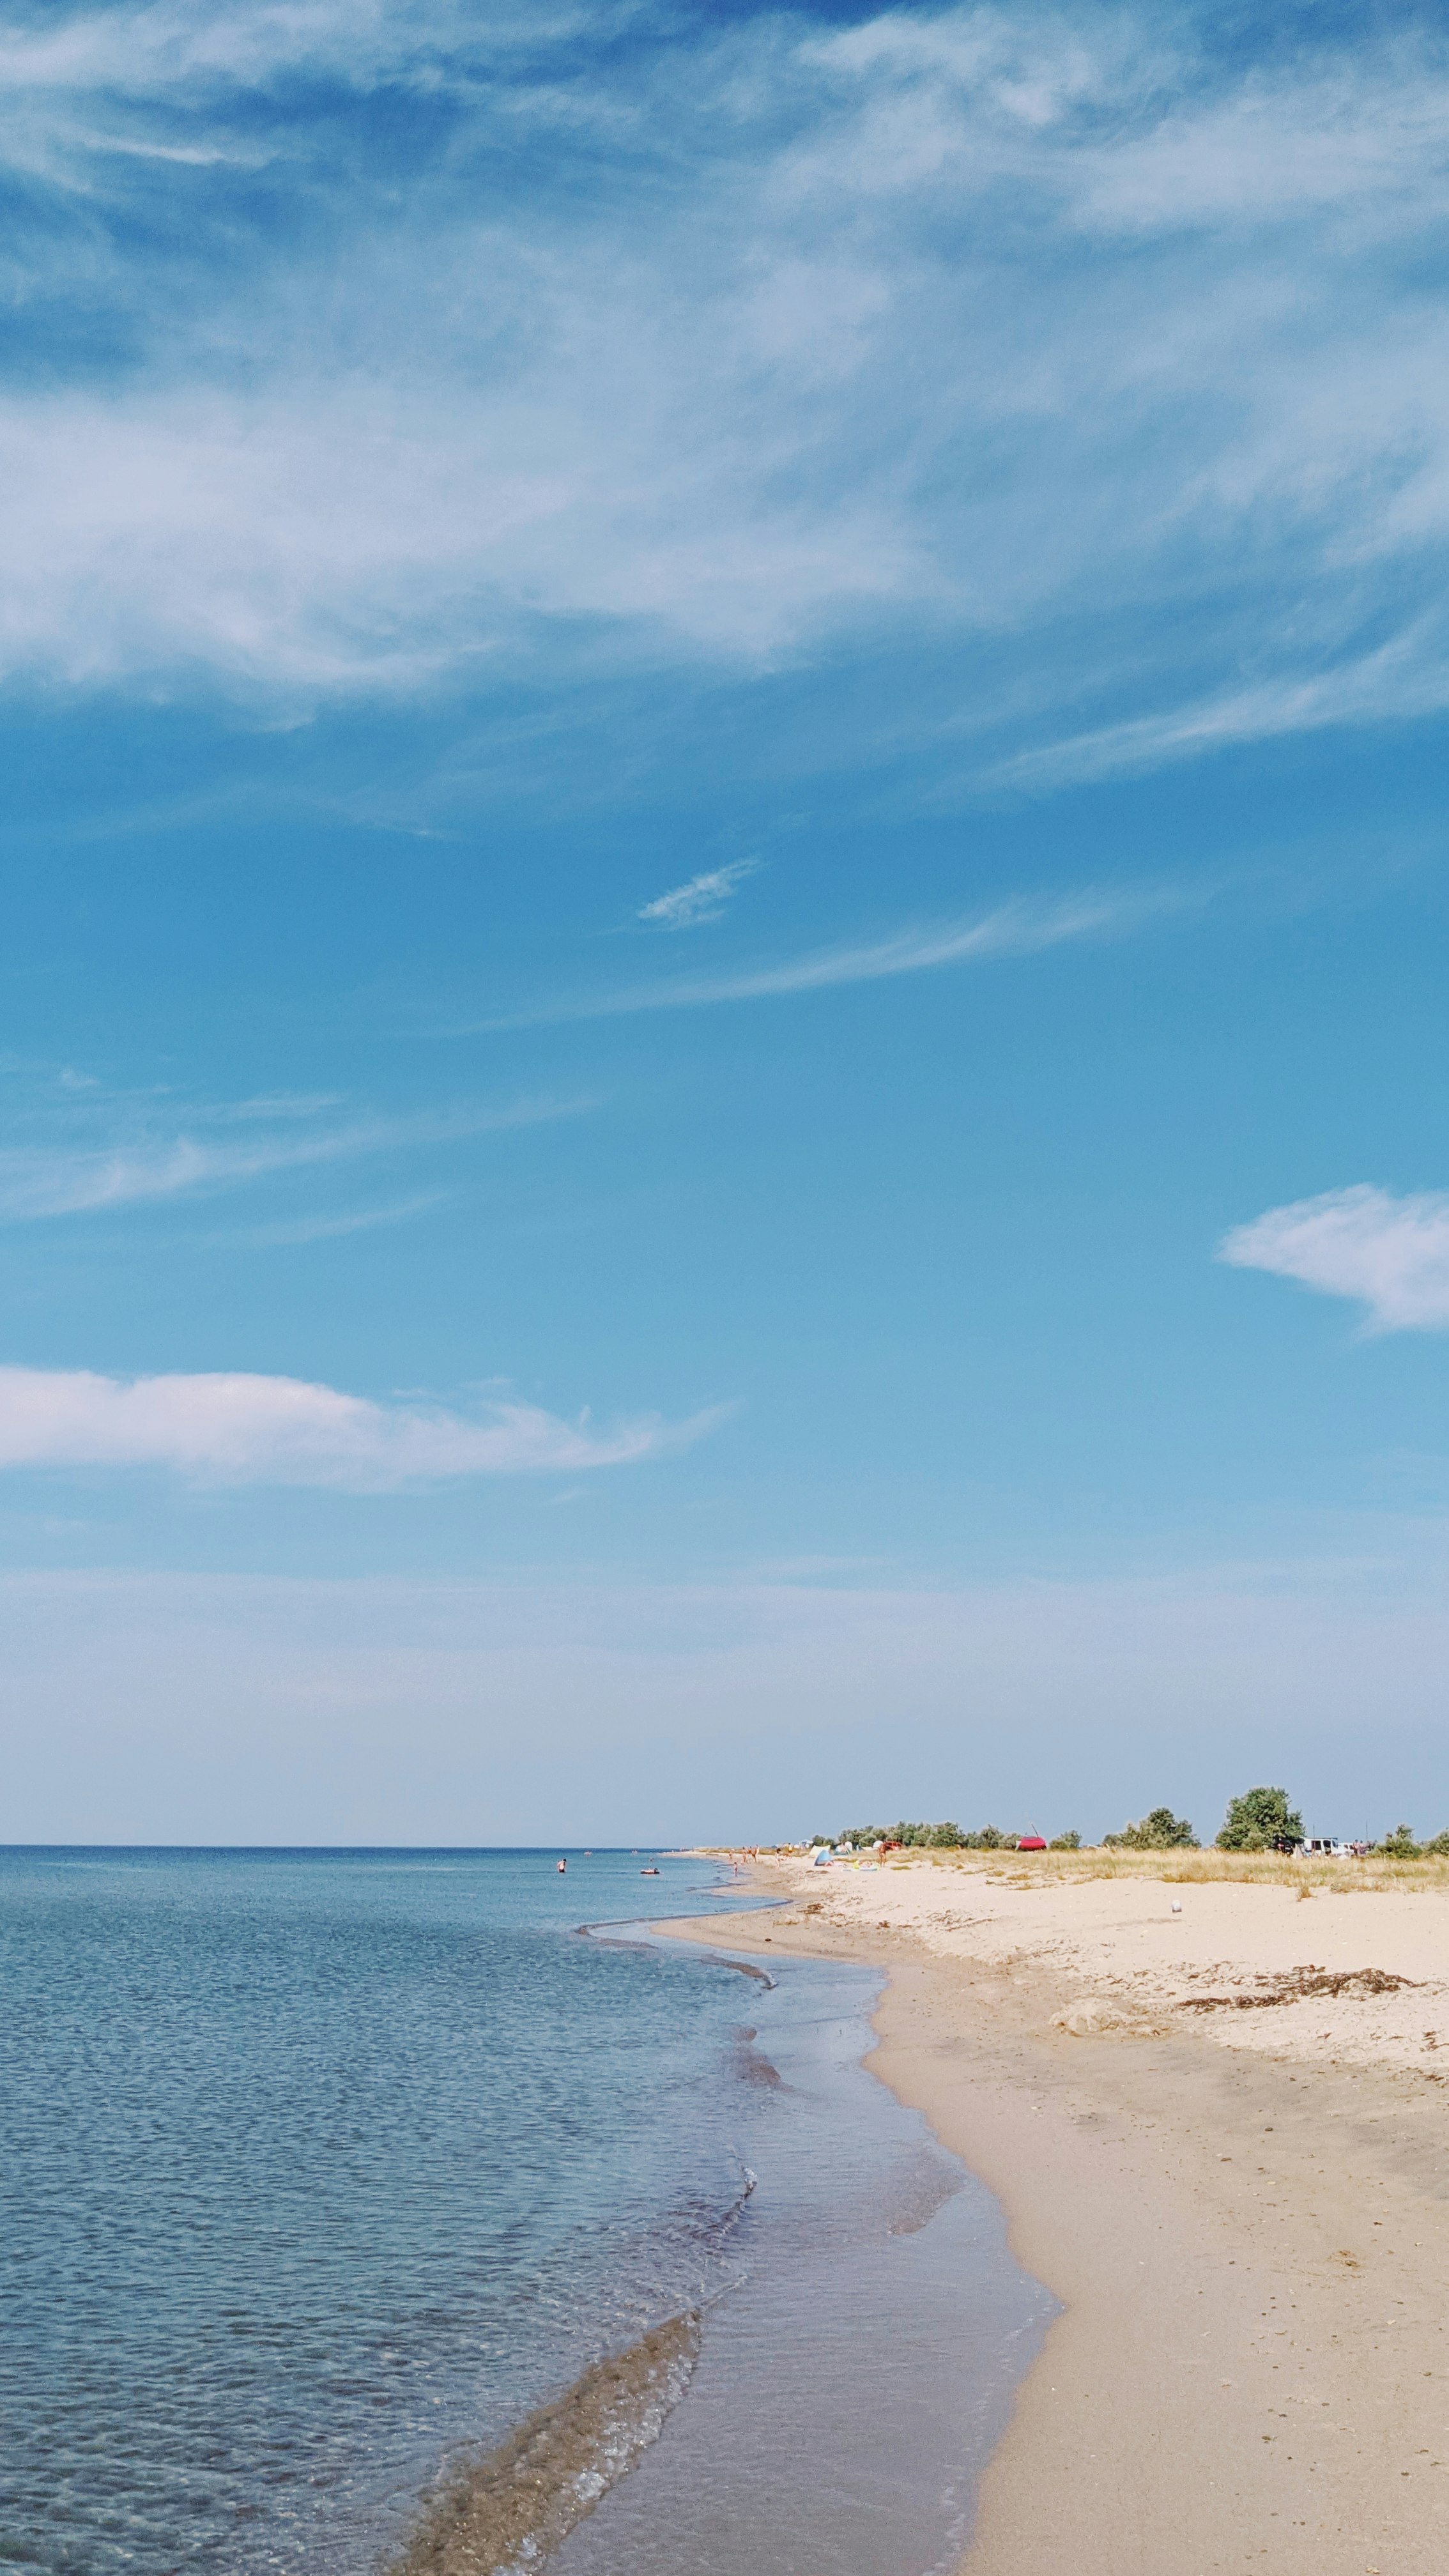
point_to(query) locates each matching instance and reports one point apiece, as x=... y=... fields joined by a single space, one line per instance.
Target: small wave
x=506 y=2513
x=753 y=2067
x=920 y=2188
x=748 y=2180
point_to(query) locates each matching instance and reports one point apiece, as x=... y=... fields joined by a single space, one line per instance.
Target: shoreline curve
x=1251 y=2364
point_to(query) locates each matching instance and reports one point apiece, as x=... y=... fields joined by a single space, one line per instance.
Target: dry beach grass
x=1375 y=1875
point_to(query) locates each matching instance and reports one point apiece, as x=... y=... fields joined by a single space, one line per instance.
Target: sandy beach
x=1219 y=2135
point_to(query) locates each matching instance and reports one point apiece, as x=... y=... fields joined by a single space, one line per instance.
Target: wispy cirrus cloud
x=1011 y=930
x=1407 y=676
x=334 y=1226
x=76 y=1176
x=1390 y=1255
x=730 y=340
x=234 y=1428
x=154 y=50
x=702 y=899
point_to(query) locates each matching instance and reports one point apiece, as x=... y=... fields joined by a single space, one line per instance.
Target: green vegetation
x=1261 y=1822
x=1159 y=1831
x=1400 y=1845
x=1258 y=1820
x=946 y=1837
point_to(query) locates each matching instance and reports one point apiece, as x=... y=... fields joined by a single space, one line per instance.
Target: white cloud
x=156 y=51
x=1013 y=930
x=1390 y=1254
x=226 y=1427
x=1001 y=324
x=1406 y=677
x=80 y=1178
x=320 y=1228
x=702 y=899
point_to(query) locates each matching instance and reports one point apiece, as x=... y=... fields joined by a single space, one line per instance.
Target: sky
x=724 y=1058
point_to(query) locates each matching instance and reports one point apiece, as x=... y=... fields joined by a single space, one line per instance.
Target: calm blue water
x=320 y=2170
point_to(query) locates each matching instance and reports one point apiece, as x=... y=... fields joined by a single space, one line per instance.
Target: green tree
x=1438 y=1849
x=1159 y=1831
x=1259 y=1819
x=945 y=1837
x=1399 y=1845
x=1065 y=1842
x=919 y=1837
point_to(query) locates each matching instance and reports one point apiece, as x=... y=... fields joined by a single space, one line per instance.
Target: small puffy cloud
x=1392 y=1254
x=703 y=899
x=225 y=1427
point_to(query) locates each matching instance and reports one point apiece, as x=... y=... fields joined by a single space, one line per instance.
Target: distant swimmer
x=562 y=1866
x=649 y=1873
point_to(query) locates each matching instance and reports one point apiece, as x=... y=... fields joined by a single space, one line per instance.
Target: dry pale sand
x=1244 y=2208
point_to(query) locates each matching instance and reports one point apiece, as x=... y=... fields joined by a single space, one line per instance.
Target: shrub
x=1258 y=1820
x=1438 y=1849
x=1399 y=1845
x=944 y=1837
x=947 y=1837
x=1159 y=1831
x=1065 y=1842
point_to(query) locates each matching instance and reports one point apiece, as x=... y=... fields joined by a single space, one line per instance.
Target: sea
x=405 y=2213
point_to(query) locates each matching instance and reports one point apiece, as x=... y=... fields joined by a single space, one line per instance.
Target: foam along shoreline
x=1245 y=2211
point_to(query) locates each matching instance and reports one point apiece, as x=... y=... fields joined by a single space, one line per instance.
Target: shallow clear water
x=318 y=2171
x=864 y=2362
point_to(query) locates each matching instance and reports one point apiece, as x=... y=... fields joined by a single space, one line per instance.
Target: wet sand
x=1243 y=2204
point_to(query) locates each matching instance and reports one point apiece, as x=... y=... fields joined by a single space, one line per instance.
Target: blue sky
x=724 y=1045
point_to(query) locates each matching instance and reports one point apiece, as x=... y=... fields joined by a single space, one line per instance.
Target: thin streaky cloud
x=1402 y=679
x=1390 y=1255
x=326 y=1229
x=199 y=157
x=227 y=1427
x=702 y=899
x=43 y=1181
x=275 y=1104
x=1013 y=930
